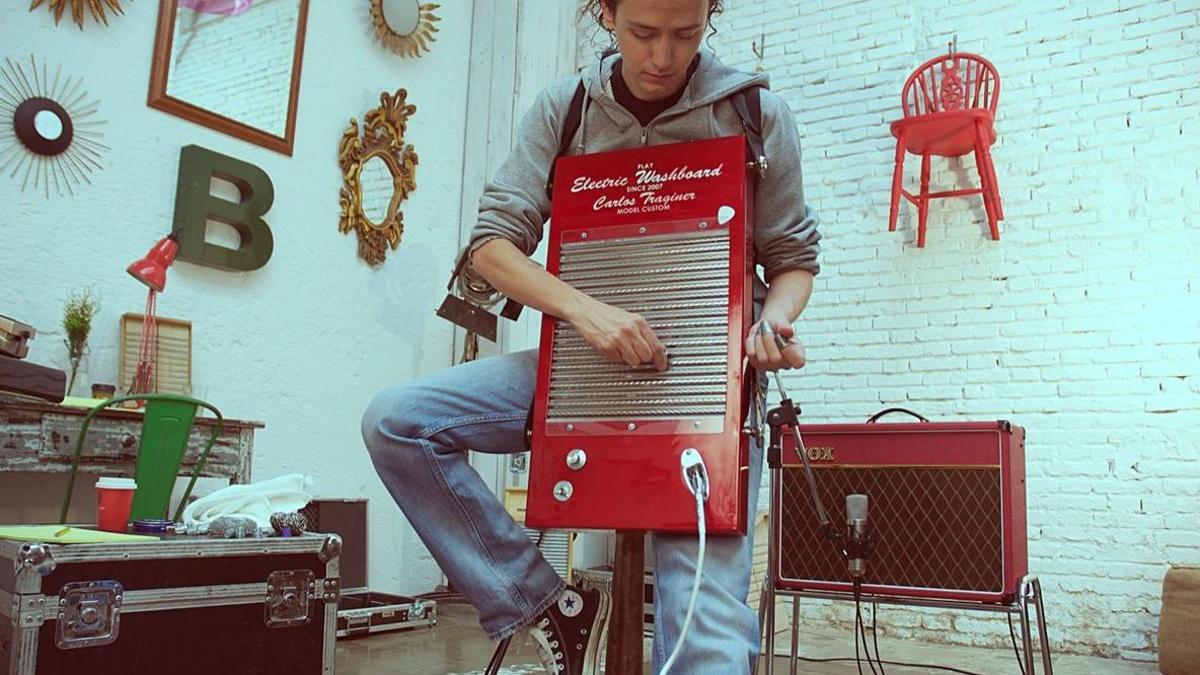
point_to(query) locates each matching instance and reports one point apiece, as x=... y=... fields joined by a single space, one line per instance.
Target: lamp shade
x=152 y=270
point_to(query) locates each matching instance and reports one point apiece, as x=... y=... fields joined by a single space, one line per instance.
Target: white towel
x=254 y=500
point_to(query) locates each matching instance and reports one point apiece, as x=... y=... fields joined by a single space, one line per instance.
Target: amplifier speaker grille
x=934 y=526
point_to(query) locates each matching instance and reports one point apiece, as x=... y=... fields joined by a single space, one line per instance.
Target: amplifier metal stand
x=1030 y=593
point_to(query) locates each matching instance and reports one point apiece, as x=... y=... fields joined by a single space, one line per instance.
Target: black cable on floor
x=847 y=659
x=862 y=629
x=859 y=630
x=857 y=658
x=1012 y=635
x=875 y=635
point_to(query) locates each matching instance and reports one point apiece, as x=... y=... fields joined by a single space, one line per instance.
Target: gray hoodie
x=514 y=204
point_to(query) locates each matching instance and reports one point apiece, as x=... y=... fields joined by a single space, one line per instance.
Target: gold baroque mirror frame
x=404 y=26
x=378 y=172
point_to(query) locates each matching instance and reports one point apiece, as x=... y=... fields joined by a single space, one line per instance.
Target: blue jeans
x=418 y=433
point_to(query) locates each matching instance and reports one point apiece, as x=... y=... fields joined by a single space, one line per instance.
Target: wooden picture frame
x=174 y=366
x=159 y=99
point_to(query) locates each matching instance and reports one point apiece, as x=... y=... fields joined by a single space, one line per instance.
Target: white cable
x=700 y=491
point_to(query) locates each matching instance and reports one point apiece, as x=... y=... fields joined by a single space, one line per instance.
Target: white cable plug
x=695 y=478
x=695 y=474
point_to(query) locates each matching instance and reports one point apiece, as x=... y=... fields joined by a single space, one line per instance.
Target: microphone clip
x=857 y=546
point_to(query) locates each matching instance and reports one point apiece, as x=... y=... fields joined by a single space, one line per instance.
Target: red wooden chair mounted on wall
x=949 y=110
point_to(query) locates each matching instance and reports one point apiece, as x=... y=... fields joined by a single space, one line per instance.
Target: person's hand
x=772 y=346
x=620 y=336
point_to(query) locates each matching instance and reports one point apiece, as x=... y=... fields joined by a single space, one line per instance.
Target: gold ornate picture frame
x=382 y=139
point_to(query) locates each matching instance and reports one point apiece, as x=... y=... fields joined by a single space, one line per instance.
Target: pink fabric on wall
x=221 y=7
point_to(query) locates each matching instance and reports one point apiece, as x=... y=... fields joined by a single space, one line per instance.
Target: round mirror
x=402 y=15
x=377 y=190
x=48 y=125
x=405 y=26
x=43 y=126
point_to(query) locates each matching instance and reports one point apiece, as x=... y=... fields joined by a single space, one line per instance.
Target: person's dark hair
x=595 y=10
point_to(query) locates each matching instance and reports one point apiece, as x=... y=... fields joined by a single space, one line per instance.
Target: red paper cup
x=115 y=497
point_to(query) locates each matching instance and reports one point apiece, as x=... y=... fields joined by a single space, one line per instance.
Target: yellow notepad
x=66 y=534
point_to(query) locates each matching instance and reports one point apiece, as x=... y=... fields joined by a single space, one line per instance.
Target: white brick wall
x=1082 y=323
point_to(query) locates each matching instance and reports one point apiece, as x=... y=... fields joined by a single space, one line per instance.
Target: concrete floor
x=458 y=646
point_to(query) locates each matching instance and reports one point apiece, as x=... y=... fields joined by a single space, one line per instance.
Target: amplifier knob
x=563 y=490
x=576 y=459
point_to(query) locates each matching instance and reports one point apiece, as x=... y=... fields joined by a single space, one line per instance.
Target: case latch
x=288 y=594
x=89 y=614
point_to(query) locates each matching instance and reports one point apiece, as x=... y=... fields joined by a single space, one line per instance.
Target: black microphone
x=856 y=534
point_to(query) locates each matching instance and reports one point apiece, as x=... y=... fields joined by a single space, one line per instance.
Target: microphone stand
x=787 y=415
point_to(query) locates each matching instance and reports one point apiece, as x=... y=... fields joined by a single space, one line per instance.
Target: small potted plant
x=78 y=313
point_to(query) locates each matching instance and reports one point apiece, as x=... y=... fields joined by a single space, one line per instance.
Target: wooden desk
x=40 y=437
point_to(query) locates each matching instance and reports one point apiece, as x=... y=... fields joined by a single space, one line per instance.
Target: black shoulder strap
x=749 y=109
x=570 y=126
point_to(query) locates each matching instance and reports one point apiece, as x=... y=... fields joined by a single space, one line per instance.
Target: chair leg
x=897 y=181
x=991 y=169
x=923 y=202
x=985 y=183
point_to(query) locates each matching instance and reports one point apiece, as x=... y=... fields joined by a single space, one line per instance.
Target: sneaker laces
x=547 y=647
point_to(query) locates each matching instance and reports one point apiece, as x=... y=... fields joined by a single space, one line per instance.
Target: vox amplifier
x=947 y=508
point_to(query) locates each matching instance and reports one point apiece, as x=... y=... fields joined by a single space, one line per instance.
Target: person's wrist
x=775 y=320
x=575 y=307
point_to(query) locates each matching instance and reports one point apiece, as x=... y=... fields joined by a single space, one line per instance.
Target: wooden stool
x=625 y=618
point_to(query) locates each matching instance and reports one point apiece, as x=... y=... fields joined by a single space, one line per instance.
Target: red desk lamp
x=152 y=271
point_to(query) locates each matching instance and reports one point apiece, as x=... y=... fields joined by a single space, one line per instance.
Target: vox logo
x=820 y=453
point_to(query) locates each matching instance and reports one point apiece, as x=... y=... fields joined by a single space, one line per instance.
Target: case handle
x=873 y=418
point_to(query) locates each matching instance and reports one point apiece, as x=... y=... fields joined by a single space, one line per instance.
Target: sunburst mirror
x=57 y=7
x=378 y=172
x=404 y=26
x=54 y=138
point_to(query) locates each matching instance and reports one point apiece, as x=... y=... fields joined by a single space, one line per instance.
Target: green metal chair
x=166 y=425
